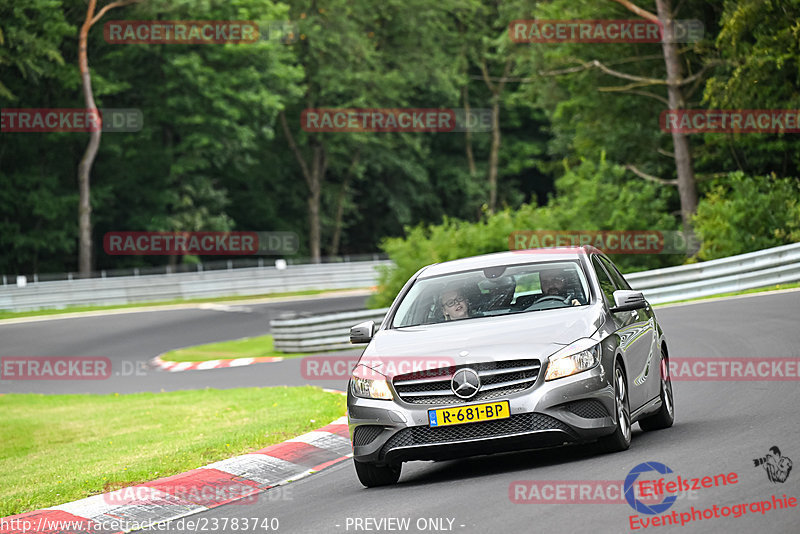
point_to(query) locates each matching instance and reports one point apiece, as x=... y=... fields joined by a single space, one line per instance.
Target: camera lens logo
x=639 y=506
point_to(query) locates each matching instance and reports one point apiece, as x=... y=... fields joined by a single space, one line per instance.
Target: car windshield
x=492 y=291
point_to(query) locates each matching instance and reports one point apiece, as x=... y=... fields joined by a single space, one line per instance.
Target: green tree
x=359 y=54
x=746 y=213
x=26 y=50
x=759 y=41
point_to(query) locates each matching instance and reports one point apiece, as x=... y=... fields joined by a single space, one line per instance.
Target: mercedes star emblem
x=465 y=383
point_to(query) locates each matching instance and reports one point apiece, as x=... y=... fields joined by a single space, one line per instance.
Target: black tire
x=665 y=416
x=371 y=475
x=620 y=440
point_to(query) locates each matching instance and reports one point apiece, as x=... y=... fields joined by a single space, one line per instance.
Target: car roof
x=515 y=257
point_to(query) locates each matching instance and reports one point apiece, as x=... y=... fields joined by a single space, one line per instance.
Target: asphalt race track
x=721 y=426
x=131 y=340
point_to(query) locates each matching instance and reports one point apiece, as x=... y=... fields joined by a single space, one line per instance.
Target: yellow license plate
x=469 y=414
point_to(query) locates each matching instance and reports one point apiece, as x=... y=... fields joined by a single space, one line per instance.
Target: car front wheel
x=371 y=475
x=620 y=440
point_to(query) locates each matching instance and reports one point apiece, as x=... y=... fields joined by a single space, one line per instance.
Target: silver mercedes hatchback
x=509 y=351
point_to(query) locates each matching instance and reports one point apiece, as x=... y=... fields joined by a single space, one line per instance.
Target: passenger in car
x=455 y=304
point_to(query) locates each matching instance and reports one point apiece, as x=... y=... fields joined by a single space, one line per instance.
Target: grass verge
x=735 y=293
x=6 y=314
x=60 y=448
x=249 y=347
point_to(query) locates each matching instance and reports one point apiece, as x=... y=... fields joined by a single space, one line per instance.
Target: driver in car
x=554 y=285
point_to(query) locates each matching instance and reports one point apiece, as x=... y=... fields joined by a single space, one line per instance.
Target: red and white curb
x=237 y=480
x=210 y=364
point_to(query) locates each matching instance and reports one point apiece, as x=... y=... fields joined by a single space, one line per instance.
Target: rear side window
x=617 y=278
x=606 y=285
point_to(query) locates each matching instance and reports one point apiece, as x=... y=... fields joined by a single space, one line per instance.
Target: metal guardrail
x=206 y=284
x=321 y=333
x=240 y=262
x=716 y=269
x=763 y=268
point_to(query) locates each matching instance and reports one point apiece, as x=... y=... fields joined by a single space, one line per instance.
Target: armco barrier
x=763 y=268
x=130 y=289
x=321 y=333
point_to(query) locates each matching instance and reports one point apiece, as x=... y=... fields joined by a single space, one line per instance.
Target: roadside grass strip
x=261 y=348
x=58 y=448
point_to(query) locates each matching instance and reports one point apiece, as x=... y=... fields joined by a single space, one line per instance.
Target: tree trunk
x=337 y=222
x=318 y=169
x=313 y=225
x=468 y=133
x=85 y=166
x=687 y=185
x=493 y=154
x=314 y=178
x=497 y=91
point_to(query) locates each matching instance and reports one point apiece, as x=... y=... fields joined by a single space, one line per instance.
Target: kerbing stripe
x=300 y=453
x=205 y=487
x=264 y=470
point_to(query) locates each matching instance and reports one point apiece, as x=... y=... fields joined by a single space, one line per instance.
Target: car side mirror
x=362 y=332
x=626 y=300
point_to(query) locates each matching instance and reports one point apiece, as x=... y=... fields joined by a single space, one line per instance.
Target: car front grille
x=498 y=379
x=516 y=424
x=589 y=408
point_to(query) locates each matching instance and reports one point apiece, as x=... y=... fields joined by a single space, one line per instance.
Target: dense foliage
x=576 y=148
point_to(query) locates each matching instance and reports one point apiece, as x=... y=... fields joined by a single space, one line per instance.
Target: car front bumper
x=568 y=410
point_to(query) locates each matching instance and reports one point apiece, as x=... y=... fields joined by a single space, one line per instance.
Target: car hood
x=524 y=335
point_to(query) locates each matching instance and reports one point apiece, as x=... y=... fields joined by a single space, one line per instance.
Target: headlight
x=571 y=364
x=369 y=384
